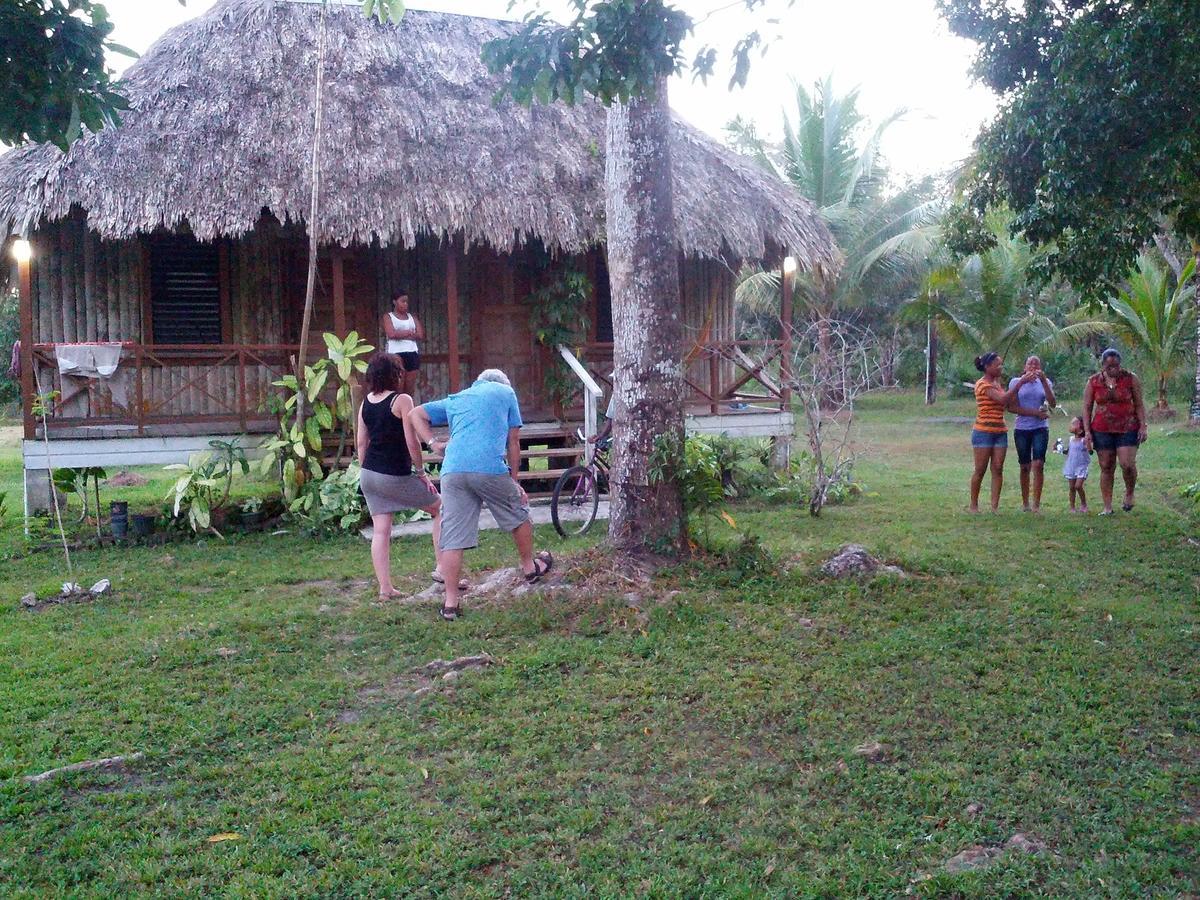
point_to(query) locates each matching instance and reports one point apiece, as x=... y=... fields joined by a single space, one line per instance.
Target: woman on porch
x=389 y=454
x=403 y=330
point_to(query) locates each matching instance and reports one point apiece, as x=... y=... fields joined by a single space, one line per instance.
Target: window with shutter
x=185 y=291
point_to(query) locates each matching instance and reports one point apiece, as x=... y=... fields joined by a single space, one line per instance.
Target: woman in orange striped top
x=989 y=437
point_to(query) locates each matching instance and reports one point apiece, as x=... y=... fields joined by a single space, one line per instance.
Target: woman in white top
x=403 y=330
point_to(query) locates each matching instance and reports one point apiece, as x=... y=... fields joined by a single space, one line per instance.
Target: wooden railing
x=229 y=386
x=720 y=375
x=177 y=384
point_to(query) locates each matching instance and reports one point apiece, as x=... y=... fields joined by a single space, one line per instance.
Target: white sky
x=898 y=52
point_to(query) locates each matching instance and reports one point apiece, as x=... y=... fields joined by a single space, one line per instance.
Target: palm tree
x=884 y=238
x=881 y=237
x=987 y=302
x=1154 y=314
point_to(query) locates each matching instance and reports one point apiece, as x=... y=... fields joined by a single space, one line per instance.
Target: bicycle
x=577 y=492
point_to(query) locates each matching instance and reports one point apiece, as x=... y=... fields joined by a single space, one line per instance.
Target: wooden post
x=141 y=283
x=25 y=286
x=241 y=387
x=226 y=301
x=139 y=390
x=452 y=360
x=931 y=352
x=785 y=357
x=339 y=293
x=714 y=378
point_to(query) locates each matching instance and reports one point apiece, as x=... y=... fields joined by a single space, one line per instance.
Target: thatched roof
x=220 y=128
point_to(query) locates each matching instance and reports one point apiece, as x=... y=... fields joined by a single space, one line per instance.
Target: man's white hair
x=494 y=375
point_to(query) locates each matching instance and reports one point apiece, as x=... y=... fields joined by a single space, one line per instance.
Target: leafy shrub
x=695 y=467
x=205 y=483
x=748 y=560
x=294 y=452
x=9 y=332
x=331 y=504
x=796 y=485
x=1191 y=492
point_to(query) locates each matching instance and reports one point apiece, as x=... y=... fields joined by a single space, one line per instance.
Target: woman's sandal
x=546 y=560
x=449 y=615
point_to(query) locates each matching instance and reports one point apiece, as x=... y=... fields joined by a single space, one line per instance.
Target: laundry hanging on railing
x=88 y=360
x=85 y=365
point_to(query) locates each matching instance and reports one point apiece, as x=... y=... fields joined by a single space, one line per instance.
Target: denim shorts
x=987 y=440
x=1110 y=440
x=1031 y=444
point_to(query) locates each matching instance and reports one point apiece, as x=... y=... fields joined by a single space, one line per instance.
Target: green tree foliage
x=1095 y=142
x=612 y=50
x=53 y=76
x=9 y=332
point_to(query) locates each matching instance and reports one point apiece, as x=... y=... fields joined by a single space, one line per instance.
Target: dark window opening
x=185 y=291
x=604 y=325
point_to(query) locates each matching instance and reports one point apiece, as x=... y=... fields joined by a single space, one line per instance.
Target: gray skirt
x=389 y=493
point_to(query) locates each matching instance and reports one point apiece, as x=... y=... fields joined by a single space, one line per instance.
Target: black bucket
x=118 y=511
x=143 y=526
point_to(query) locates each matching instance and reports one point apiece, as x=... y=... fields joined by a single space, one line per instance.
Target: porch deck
x=202 y=390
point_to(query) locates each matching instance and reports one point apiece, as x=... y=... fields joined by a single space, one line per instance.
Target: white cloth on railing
x=88 y=360
x=88 y=363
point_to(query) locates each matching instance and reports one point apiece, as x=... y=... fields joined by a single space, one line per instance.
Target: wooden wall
x=707 y=289
x=86 y=289
x=421 y=270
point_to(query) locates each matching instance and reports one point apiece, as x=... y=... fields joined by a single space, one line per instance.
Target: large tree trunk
x=1194 y=411
x=643 y=272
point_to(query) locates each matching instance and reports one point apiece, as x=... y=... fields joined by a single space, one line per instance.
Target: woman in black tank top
x=387 y=451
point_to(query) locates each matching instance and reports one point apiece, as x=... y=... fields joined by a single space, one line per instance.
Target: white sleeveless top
x=403 y=345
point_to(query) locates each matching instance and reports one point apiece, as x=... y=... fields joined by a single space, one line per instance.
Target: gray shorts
x=464 y=493
x=391 y=493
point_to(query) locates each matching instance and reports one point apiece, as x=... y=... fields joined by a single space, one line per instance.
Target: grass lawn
x=1045 y=668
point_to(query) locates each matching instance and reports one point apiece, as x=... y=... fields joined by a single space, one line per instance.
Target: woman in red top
x=1114 y=421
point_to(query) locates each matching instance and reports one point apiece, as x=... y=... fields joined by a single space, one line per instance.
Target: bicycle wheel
x=575 y=501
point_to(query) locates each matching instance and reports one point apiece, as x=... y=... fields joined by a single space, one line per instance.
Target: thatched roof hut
x=220 y=125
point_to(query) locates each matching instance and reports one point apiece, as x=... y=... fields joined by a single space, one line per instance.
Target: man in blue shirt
x=481 y=463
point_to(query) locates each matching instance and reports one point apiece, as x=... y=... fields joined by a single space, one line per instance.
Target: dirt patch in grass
x=34 y=603
x=587 y=593
x=329 y=586
x=436 y=675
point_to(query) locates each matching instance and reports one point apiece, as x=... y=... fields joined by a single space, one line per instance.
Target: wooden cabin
x=166 y=286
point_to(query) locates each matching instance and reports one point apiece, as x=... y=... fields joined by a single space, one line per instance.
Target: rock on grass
x=853 y=560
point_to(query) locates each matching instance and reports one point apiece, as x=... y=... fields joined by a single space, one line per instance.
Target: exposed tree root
x=108 y=762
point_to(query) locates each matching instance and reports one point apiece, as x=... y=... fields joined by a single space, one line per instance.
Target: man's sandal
x=542 y=563
x=449 y=615
x=463 y=584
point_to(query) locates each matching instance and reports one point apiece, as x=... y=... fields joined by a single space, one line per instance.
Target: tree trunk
x=643 y=269
x=1162 y=393
x=931 y=360
x=1194 y=410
